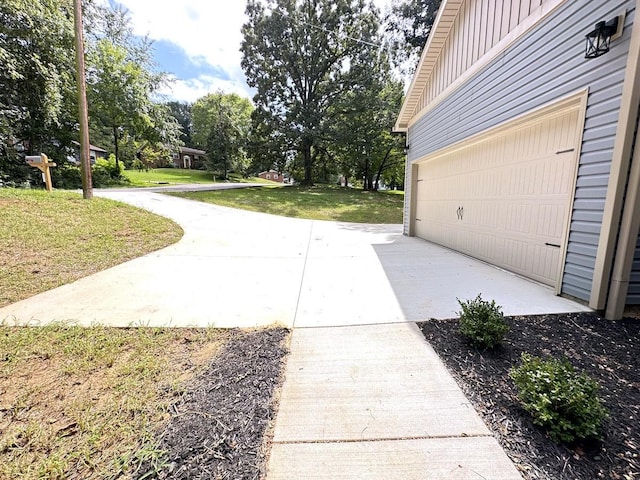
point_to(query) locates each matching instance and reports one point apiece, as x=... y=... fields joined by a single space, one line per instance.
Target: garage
x=505 y=196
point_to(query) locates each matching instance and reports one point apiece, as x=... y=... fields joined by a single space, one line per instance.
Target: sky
x=197 y=42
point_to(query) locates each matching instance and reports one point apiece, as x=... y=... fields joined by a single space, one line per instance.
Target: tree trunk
x=366 y=183
x=381 y=168
x=308 y=163
x=115 y=146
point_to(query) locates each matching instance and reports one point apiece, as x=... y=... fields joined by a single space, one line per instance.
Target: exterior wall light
x=406 y=149
x=599 y=39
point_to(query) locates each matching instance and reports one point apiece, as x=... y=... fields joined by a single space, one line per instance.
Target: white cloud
x=189 y=90
x=209 y=31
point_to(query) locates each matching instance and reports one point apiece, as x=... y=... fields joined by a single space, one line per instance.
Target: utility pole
x=85 y=165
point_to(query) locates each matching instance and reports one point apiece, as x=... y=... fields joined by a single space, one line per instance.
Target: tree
x=362 y=119
x=37 y=87
x=181 y=111
x=300 y=55
x=221 y=126
x=267 y=146
x=407 y=26
x=121 y=83
x=38 y=95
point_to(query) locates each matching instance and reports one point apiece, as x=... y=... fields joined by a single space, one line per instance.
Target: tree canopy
x=322 y=71
x=221 y=126
x=407 y=27
x=300 y=55
x=38 y=100
x=121 y=84
x=36 y=79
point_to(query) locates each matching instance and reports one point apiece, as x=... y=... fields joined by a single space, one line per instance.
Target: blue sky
x=197 y=42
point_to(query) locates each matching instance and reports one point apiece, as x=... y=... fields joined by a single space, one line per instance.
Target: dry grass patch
x=86 y=402
x=49 y=239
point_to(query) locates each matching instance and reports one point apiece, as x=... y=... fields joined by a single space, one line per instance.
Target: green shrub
x=66 y=177
x=559 y=399
x=105 y=173
x=482 y=322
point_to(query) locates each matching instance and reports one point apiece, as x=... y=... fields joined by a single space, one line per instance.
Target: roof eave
x=441 y=27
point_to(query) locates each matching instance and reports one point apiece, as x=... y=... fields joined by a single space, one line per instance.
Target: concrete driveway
x=235 y=268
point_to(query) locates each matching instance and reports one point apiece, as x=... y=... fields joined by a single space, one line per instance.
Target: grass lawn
x=50 y=239
x=83 y=402
x=87 y=402
x=317 y=203
x=177 y=176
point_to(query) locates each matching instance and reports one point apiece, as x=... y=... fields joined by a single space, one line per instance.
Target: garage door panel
x=504 y=199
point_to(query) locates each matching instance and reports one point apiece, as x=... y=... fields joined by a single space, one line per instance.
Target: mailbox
x=34 y=159
x=42 y=163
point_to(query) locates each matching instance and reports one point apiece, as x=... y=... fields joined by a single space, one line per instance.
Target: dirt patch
x=608 y=351
x=217 y=430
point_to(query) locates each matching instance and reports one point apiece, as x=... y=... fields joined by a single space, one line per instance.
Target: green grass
x=88 y=402
x=317 y=203
x=49 y=239
x=180 y=176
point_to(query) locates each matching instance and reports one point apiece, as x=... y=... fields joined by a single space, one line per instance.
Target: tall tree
x=407 y=27
x=37 y=102
x=300 y=55
x=221 y=126
x=121 y=84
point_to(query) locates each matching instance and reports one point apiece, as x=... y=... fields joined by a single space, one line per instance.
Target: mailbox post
x=42 y=163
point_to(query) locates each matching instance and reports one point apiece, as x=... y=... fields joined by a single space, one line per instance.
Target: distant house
x=94 y=153
x=187 y=157
x=272 y=175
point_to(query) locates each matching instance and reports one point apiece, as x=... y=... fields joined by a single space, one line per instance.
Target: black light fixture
x=599 y=39
x=406 y=149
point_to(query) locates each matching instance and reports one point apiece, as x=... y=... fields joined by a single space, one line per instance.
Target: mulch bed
x=218 y=429
x=607 y=351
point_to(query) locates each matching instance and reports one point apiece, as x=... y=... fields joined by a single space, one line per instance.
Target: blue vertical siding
x=543 y=66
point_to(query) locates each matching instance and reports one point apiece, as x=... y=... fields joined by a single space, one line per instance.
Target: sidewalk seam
x=380 y=439
x=304 y=271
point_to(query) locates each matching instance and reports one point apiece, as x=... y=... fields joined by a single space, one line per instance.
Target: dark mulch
x=607 y=351
x=219 y=426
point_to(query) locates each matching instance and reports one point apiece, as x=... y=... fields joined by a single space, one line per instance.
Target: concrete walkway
x=365 y=396
x=375 y=402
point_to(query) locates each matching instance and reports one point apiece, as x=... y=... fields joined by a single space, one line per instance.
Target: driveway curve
x=235 y=268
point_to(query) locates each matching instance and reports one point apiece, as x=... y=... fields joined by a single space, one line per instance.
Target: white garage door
x=505 y=197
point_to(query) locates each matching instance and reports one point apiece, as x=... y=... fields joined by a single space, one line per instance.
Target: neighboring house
x=522 y=152
x=189 y=158
x=272 y=175
x=94 y=153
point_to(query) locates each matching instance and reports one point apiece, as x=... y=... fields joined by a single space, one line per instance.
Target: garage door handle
x=552 y=244
x=565 y=151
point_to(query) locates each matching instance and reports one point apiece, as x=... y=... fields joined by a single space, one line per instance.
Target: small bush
x=66 y=177
x=104 y=173
x=482 y=322
x=559 y=399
